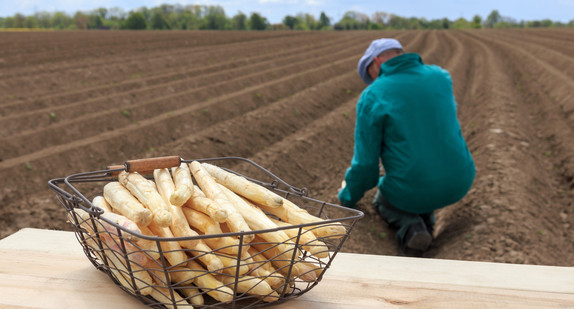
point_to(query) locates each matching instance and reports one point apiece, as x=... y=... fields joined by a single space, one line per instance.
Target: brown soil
x=79 y=101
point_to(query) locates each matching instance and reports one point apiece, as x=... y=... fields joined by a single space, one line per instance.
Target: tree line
x=213 y=17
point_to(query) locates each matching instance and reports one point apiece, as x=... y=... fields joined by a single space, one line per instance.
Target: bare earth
x=79 y=101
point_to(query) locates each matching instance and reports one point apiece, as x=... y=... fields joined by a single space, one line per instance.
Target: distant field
x=79 y=101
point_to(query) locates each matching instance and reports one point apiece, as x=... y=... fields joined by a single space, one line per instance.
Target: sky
x=276 y=10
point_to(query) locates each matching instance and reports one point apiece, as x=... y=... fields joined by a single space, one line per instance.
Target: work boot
x=417 y=238
x=429 y=220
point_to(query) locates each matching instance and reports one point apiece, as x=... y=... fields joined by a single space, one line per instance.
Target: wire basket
x=254 y=274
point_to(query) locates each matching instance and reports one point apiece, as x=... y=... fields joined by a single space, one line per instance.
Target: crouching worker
x=406 y=117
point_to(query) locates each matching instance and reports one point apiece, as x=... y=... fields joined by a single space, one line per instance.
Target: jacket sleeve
x=363 y=174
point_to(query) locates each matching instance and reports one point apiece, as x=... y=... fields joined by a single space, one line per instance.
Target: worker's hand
x=343 y=184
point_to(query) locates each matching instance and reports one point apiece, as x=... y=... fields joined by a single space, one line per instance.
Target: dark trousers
x=400 y=219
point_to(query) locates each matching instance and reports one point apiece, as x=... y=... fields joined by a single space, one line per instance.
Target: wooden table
x=47 y=269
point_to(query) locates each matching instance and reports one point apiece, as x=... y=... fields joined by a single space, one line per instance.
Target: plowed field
x=79 y=101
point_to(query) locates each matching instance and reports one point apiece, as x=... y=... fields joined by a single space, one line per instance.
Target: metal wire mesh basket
x=251 y=274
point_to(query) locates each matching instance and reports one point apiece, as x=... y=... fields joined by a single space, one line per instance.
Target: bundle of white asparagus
x=219 y=202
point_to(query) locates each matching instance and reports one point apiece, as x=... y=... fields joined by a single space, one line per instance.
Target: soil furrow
x=114 y=73
x=171 y=63
x=550 y=70
x=113 y=119
x=561 y=61
x=562 y=35
x=294 y=110
x=156 y=125
x=552 y=91
x=507 y=176
x=562 y=46
x=432 y=54
x=119 y=68
x=457 y=66
x=85 y=44
x=144 y=90
x=157 y=130
x=243 y=133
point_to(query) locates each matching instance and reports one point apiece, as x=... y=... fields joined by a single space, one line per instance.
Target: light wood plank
x=48 y=269
x=453 y=272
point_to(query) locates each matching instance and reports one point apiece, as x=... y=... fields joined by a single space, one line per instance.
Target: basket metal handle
x=145 y=166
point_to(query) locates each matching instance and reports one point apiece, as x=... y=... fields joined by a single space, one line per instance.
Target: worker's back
x=426 y=159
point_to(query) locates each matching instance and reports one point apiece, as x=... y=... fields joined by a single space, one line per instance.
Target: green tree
x=19 y=20
x=116 y=18
x=158 y=21
x=31 y=22
x=547 y=23
x=257 y=22
x=380 y=19
x=533 y=24
x=102 y=12
x=375 y=26
x=214 y=18
x=95 y=21
x=116 y=14
x=353 y=20
x=239 y=21
x=278 y=27
x=9 y=22
x=324 y=21
x=307 y=22
x=477 y=22
x=136 y=21
x=167 y=8
x=184 y=20
x=446 y=23
x=81 y=20
x=502 y=25
x=1 y=22
x=461 y=23
x=44 y=19
x=398 y=22
x=61 y=20
x=291 y=21
x=492 y=18
x=425 y=24
x=506 y=22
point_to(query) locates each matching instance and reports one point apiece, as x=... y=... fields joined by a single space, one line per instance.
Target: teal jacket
x=407 y=119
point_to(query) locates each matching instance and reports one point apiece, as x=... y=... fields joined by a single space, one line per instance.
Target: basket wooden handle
x=146 y=166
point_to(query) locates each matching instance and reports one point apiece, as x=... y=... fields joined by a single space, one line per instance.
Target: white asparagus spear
x=282 y=261
x=100 y=202
x=251 y=285
x=179 y=225
x=126 y=204
x=147 y=194
x=244 y=187
x=182 y=277
x=258 y=220
x=171 y=249
x=308 y=240
x=183 y=185
x=163 y=295
x=211 y=189
x=261 y=267
x=293 y=214
x=207 y=206
x=209 y=284
x=208 y=226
